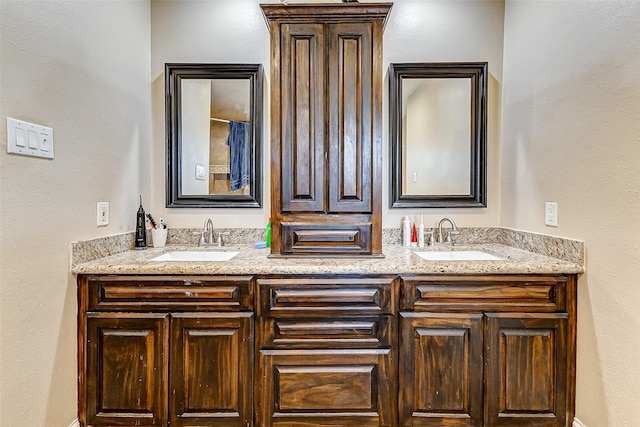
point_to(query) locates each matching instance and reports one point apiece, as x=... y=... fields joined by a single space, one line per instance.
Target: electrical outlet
x=102 y=210
x=551 y=214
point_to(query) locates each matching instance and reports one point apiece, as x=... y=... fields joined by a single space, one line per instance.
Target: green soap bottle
x=268 y=233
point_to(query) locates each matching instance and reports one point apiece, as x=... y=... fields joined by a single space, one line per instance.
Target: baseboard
x=577 y=423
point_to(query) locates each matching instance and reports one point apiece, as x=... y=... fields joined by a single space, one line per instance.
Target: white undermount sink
x=458 y=256
x=195 y=256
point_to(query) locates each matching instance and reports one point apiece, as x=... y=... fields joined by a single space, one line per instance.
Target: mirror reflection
x=435 y=137
x=438 y=134
x=214 y=119
x=215 y=125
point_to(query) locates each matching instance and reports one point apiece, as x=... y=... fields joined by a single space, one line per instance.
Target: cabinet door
x=126 y=369
x=303 y=116
x=440 y=369
x=526 y=370
x=351 y=122
x=211 y=369
x=325 y=388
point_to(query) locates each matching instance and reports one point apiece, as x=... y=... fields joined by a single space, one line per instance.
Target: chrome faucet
x=454 y=230
x=208 y=230
x=206 y=235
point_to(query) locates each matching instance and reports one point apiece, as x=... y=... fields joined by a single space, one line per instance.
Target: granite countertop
x=398 y=260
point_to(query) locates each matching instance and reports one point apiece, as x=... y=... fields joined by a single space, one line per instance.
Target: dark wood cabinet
x=177 y=355
x=210 y=371
x=526 y=370
x=323 y=387
x=326 y=103
x=125 y=382
x=514 y=334
x=326 y=352
x=440 y=369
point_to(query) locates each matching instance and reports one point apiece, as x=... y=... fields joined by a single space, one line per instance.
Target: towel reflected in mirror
x=239 y=154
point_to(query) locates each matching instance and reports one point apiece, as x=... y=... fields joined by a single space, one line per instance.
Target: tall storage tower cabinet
x=326 y=142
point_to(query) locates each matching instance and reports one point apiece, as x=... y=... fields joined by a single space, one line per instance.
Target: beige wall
x=221 y=31
x=235 y=31
x=444 y=31
x=571 y=134
x=81 y=67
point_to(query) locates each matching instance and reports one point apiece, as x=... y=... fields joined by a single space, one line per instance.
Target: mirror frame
x=174 y=74
x=477 y=72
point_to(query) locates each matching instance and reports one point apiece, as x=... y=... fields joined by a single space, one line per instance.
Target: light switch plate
x=29 y=139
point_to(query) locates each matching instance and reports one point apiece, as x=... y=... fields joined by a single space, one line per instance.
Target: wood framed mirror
x=214 y=135
x=438 y=135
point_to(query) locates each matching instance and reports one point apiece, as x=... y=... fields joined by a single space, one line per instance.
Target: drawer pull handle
x=113 y=293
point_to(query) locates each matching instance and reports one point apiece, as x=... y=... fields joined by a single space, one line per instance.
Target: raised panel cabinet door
x=126 y=369
x=303 y=118
x=526 y=373
x=352 y=124
x=325 y=388
x=440 y=373
x=211 y=379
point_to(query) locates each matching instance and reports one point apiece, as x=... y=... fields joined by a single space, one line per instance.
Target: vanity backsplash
x=556 y=247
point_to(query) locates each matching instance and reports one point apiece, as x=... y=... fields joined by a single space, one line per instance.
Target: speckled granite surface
x=556 y=247
x=523 y=253
x=101 y=247
x=90 y=250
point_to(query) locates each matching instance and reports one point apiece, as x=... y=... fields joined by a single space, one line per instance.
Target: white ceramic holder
x=159 y=237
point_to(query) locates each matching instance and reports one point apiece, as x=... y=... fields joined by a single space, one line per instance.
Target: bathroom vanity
x=329 y=327
x=257 y=341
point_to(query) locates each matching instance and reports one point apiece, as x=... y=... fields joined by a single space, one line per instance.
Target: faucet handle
x=220 y=234
x=450 y=235
x=202 y=238
x=431 y=241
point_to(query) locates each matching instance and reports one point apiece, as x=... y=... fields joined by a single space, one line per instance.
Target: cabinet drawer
x=308 y=297
x=327 y=332
x=326 y=387
x=329 y=239
x=136 y=293
x=484 y=293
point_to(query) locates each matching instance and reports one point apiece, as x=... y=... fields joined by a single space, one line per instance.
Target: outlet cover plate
x=551 y=214
x=102 y=209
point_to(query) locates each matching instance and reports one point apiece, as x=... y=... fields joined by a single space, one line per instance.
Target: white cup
x=159 y=237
